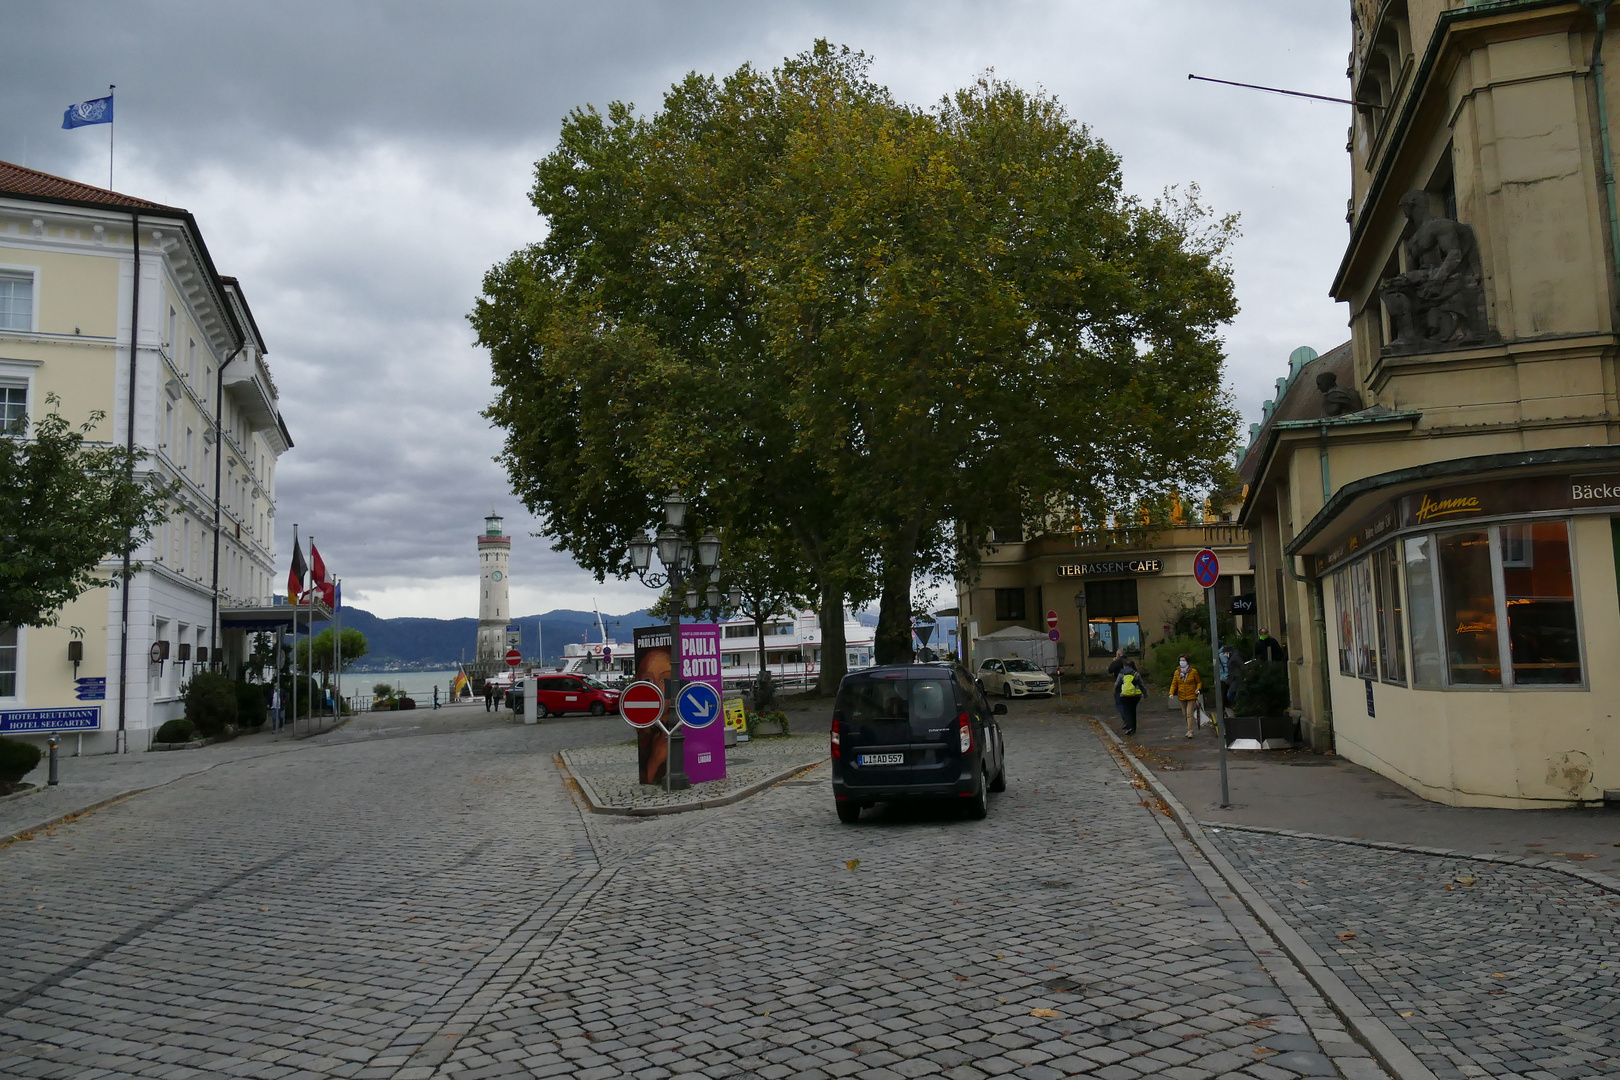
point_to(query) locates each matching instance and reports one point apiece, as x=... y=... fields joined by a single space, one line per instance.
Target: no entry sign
x=1051 y=620
x=642 y=704
x=513 y=658
x=1206 y=568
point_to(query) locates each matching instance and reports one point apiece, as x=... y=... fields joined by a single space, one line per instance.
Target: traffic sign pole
x=1207 y=569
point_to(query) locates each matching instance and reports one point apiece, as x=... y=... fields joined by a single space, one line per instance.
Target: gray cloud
x=360 y=165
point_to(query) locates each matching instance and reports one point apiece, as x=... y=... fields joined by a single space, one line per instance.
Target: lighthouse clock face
x=496 y=576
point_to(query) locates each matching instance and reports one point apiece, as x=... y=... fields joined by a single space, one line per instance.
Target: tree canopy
x=67 y=505
x=876 y=327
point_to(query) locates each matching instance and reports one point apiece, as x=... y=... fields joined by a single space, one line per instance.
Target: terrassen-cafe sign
x=1110 y=568
x=1441 y=506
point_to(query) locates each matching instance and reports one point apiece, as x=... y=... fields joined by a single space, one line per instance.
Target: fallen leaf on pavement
x=1498 y=975
x=960 y=978
x=1406 y=1014
x=1347 y=935
x=1466 y=880
x=853 y=864
x=1048 y=1013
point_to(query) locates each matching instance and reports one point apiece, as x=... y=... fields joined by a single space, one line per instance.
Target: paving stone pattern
x=1513 y=974
x=437 y=906
x=611 y=770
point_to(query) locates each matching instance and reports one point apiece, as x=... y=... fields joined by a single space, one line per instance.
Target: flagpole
x=112 y=125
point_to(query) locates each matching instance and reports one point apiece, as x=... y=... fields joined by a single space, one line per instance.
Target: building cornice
x=1448 y=26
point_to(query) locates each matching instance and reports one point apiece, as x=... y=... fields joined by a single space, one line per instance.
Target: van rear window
x=925 y=700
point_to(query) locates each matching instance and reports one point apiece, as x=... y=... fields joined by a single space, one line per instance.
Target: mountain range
x=405 y=644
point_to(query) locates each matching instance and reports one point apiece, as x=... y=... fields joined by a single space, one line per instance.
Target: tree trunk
x=833 y=661
x=759 y=630
x=892 y=642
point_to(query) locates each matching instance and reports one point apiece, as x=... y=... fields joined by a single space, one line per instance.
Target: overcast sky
x=359 y=166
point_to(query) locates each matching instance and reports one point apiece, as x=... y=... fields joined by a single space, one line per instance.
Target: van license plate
x=883 y=759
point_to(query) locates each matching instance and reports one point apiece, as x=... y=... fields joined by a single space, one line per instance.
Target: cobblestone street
x=436 y=904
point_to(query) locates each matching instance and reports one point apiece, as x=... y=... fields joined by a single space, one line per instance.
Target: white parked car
x=1014 y=677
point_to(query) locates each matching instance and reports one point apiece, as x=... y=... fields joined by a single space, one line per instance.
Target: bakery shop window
x=1489 y=606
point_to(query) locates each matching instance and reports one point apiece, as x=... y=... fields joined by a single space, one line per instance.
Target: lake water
x=416 y=684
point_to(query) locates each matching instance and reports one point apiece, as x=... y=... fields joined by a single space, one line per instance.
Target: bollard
x=52 y=781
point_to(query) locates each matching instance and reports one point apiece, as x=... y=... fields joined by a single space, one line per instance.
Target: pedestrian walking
x=1114 y=669
x=1231 y=675
x=1128 y=693
x=1185 y=686
x=435 y=695
x=275 y=707
x=1268 y=648
x=489 y=695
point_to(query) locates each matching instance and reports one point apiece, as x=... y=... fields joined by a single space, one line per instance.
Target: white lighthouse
x=494 y=608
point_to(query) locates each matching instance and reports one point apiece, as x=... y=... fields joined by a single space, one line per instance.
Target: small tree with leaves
x=67 y=505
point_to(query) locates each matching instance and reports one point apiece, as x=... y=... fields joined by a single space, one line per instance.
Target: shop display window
x=1468 y=598
x=1538 y=587
x=1427 y=667
x=1387 y=598
x=1489 y=606
x=1111 y=609
x=1358 y=624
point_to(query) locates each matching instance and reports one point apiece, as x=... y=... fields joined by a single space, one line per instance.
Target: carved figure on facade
x=1439 y=302
x=1337 y=400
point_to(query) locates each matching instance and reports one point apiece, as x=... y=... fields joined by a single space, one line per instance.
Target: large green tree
x=68 y=505
x=875 y=327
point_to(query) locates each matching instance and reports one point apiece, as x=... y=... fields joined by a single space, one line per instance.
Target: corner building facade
x=1436 y=503
x=112 y=303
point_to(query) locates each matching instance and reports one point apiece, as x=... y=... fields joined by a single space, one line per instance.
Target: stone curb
x=1391 y=1053
x=596 y=804
x=1591 y=877
x=324 y=731
x=33 y=790
x=80 y=812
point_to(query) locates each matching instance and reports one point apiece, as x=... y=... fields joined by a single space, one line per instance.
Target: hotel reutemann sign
x=1438 y=507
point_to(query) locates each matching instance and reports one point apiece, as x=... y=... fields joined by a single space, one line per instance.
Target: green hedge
x=251 y=711
x=17 y=759
x=1265 y=689
x=178 y=730
x=210 y=702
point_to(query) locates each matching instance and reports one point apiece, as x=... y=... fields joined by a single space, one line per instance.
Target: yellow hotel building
x=112 y=303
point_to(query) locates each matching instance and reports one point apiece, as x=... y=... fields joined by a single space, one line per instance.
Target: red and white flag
x=319 y=584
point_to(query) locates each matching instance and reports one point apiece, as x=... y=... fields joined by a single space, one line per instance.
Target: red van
x=561 y=694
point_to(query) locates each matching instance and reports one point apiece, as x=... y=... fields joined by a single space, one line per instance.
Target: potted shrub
x=766 y=722
x=1261 y=710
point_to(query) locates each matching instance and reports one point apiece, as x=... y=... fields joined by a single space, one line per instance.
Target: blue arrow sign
x=697 y=705
x=91 y=688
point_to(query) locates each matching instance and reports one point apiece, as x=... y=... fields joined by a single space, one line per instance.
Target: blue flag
x=95 y=111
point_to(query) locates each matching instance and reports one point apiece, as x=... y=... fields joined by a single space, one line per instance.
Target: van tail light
x=964 y=728
x=835 y=723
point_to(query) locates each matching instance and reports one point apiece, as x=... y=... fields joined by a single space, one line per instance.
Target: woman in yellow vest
x=1185 y=686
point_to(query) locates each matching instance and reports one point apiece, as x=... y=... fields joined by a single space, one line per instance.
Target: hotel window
x=16 y=301
x=1111 y=610
x=1010 y=605
x=13 y=404
x=8 y=661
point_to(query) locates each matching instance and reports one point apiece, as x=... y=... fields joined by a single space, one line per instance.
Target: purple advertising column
x=700 y=662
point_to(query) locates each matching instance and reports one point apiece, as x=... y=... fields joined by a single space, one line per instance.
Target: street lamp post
x=679 y=558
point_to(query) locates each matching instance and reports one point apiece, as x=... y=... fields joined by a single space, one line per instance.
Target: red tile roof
x=17 y=180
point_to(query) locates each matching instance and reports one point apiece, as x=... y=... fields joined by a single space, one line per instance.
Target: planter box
x=1260 y=728
x=767 y=727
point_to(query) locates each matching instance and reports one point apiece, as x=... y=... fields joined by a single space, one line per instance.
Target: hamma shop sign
x=1466 y=502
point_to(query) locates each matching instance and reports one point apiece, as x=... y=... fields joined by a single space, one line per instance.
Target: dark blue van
x=919 y=731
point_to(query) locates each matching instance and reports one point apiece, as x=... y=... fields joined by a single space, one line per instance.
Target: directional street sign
x=91 y=688
x=1206 y=568
x=513 y=658
x=1051 y=621
x=642 y=704
x=697 y=705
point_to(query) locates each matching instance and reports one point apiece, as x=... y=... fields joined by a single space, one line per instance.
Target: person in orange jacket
x=1185 y=686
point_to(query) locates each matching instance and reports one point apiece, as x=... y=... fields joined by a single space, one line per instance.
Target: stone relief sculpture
x=1337 y=400
x=1439 y=302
